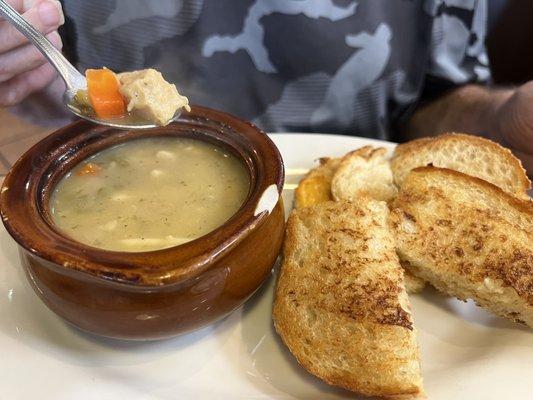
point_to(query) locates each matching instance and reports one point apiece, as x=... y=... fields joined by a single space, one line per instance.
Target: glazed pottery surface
x=156 y=294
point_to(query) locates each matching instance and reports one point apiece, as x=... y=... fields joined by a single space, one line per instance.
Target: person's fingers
x=17 y=89
x=45 y=16
x=24 y=59
x=22 y=6
x=18 y=5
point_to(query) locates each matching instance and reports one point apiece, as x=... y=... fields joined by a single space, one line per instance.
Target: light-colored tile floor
x=16 y=136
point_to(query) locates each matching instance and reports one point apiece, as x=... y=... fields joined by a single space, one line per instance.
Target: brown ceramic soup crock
x=156 y=294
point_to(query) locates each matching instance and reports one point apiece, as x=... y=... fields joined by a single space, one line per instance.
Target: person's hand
x=514 y=121
x=23 y=69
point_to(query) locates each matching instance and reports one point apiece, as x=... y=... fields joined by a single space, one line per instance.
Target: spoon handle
x=73 y=79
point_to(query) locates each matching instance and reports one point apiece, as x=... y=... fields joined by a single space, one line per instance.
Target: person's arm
x=501 y=114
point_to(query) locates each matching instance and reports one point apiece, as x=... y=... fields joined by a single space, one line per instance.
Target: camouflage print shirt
x=337 y=66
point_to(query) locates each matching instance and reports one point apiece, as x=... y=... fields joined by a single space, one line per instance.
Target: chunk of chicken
x=151 y=97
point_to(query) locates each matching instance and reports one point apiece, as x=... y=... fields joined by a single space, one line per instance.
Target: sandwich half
x=468 y=238
x=341 y=306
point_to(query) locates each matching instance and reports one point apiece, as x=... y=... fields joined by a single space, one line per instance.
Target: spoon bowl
x=126 y=122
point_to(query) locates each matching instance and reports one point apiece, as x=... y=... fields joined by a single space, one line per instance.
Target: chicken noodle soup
x=149 y=194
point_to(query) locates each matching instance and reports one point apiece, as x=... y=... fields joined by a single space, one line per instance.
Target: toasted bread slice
x=471 y=155
x=468 y=238
x=341 y=306
x=315 y=187
x=364 y=172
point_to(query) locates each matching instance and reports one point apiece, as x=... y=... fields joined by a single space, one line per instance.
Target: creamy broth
x=149 y=194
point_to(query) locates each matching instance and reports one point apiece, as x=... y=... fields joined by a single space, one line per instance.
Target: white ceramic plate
x=466 y=352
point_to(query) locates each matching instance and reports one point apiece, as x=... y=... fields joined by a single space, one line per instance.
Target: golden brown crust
x=340 y=305
x=315 y=187
x=406 y=153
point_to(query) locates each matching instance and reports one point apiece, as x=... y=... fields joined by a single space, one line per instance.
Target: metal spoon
x=74 y=81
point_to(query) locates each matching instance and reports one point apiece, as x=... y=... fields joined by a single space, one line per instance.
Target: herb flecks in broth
x=149 y=194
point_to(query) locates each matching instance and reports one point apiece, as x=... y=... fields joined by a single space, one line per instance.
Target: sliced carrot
x=106 y=100
x=89 y=169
